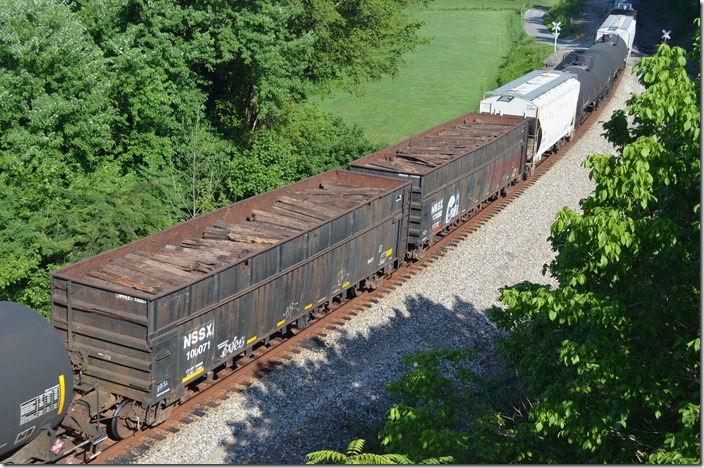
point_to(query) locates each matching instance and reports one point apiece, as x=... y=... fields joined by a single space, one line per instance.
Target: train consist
x=133 y=329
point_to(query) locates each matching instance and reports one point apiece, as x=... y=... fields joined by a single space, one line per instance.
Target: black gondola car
x=454 y=167
x=146 y=319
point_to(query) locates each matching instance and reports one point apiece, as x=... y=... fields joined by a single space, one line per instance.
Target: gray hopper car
x=454 y=168
x=145 y=320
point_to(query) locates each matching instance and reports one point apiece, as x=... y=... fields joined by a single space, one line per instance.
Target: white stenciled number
x=198 y=351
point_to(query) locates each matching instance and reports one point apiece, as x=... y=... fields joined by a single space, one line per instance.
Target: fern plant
x=355 y=455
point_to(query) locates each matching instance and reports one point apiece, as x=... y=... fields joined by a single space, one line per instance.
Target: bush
x=562 y=12
x=525 y=56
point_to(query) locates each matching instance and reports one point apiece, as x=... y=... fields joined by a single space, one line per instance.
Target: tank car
x=37 y=385
x=596 y=69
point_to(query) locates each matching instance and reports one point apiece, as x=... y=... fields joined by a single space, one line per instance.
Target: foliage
x=56 y=172
x=193 y=180
x=267 y=165
x=320 y=141
x=354 y=455
x=56 y=114
x=527 y=55
x=432 y=415
x=357 y=41
x=611 y=356
x=563 y=12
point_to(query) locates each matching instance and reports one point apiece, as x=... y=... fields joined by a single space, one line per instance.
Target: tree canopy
x=611 y=356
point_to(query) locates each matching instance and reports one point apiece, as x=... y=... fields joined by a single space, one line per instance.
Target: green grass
x=440 y=80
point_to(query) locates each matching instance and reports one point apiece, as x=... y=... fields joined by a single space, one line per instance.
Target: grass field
x=440 y=80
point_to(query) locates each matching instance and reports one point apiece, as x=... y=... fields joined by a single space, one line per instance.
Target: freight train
x=134 y=328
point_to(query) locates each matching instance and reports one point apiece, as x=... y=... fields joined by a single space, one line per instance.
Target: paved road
x=533 y=23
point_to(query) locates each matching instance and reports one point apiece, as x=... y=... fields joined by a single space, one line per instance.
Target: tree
x=54 y=127
x=357 y=40
x=610 y=358
x=435 y=408
x=318 y=140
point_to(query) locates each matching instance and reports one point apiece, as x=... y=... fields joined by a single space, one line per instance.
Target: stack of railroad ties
x=223 y=243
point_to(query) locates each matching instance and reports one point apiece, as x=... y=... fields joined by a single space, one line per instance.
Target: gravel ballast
x=326 y=395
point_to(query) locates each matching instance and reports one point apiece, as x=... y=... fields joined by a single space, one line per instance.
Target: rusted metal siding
x=453 y=167
x=110 y=329
x=159 y=312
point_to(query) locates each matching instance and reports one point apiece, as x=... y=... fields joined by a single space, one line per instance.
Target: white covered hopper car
x=547 y=98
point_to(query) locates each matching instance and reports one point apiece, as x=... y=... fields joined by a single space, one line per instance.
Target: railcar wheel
x=374 y=282
x=352 y=292
x=124 y=422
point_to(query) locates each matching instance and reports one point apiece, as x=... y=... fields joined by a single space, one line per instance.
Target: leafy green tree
x=65 y=193
x=435 y=406
x=56 y=114
x=357 y=40
x=611 y=357
x=267 y=165
x=194 y=180
x=54 y=127
x=318 y=140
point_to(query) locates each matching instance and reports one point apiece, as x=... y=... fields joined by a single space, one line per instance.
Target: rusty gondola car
x=454 y=168
x=143 y=321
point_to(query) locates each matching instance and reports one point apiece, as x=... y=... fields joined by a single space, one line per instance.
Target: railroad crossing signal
x=556 y=32
x=666 y=35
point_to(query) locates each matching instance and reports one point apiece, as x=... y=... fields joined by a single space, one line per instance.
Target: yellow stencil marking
x=62 y=392
x=308 y=306
x=251 y=339
x=346 y=284
x=389 y=252
x=280 y=323
x=190 y=376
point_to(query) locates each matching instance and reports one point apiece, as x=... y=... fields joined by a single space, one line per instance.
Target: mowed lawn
x=440 y=80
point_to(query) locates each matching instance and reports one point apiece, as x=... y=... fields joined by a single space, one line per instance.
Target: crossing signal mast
x=666 y=36
x=556 y=32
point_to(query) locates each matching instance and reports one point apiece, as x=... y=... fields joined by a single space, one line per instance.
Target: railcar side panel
x=453 y=168
x=156 y=314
